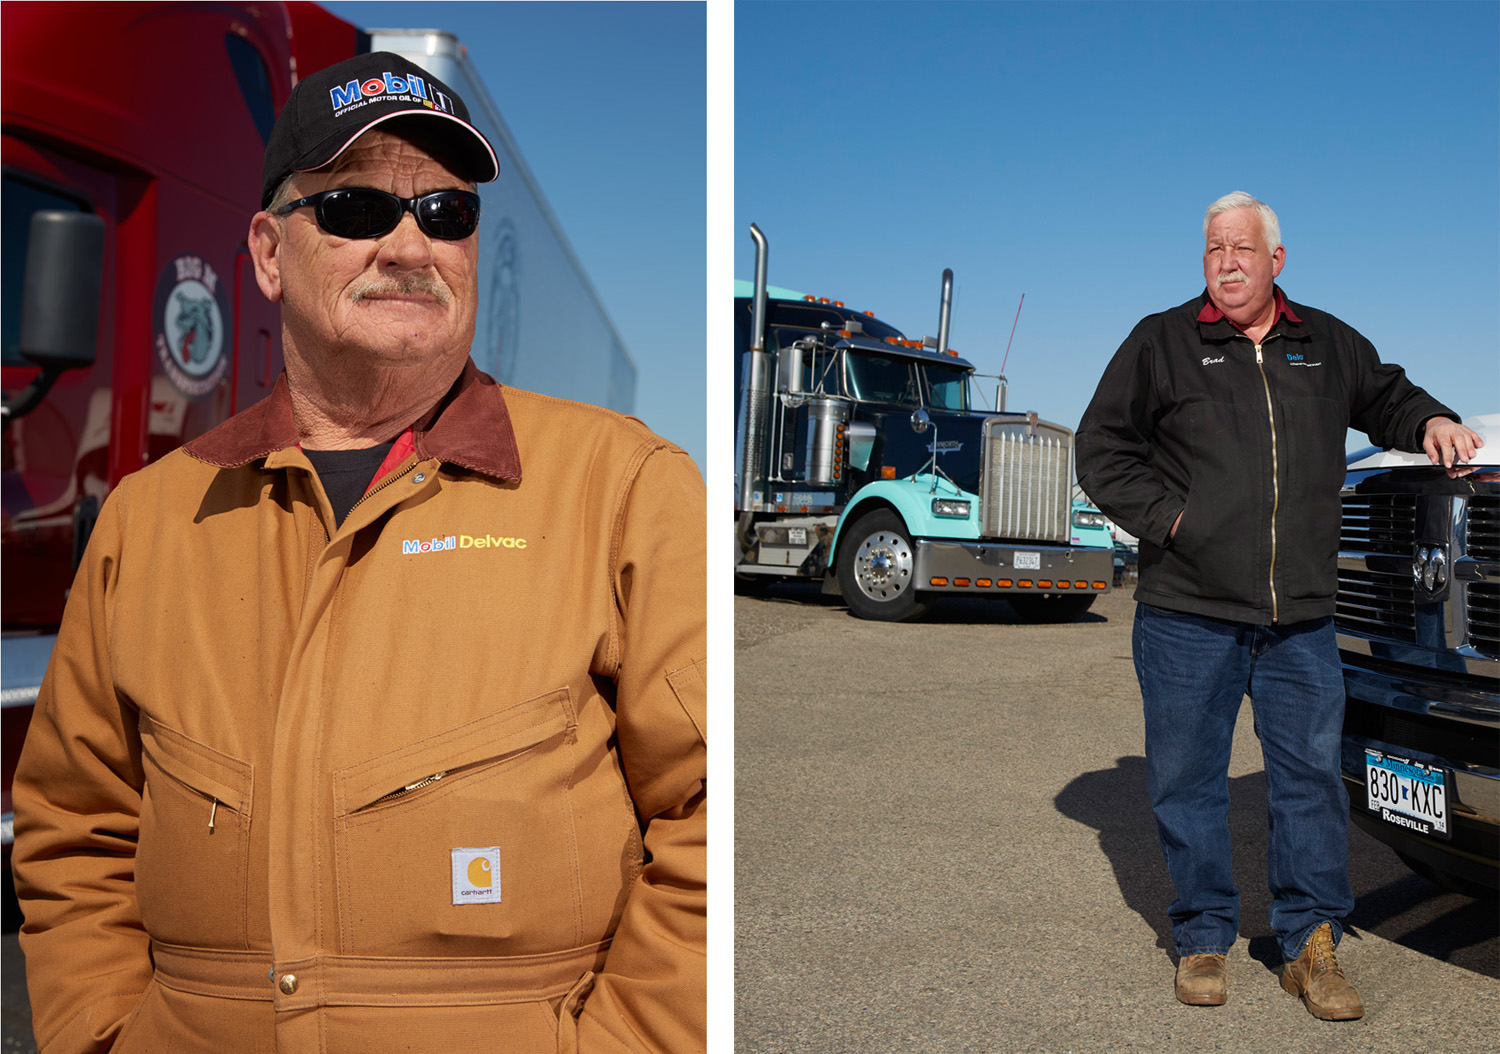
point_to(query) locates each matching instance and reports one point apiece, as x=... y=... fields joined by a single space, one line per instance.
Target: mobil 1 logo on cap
x=476 y=876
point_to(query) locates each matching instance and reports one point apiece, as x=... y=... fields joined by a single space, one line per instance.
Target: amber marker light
x=1080 y=585
x=1005 y=583
x=1044 y=584
x=1062 y=585
x=961 y=582
x=939 y=581
x=985 y=583
x=1025 y=583
x=887 y=471
x=1099 y=585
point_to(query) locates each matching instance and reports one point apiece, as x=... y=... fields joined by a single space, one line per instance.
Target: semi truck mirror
x=920 y=422
x=60 y=301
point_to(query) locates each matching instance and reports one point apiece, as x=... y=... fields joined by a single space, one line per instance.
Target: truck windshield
x=948 y=389
x=878 y=379
x=902 y=382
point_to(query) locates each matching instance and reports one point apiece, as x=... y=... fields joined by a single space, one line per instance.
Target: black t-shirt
x=346 y=474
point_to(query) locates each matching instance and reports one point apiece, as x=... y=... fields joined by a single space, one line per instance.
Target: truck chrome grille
x=1484 y=618
x=1484 y=528
x=1379 y=523
x=1028 y=480
x=1377 y=605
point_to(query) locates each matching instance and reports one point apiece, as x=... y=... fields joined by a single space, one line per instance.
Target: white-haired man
x=1217 y=437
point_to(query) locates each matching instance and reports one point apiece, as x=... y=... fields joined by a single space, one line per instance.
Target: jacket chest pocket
x=469 y=842
x=193 y=858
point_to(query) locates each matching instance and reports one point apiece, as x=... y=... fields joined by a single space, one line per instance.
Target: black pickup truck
x=1418 y=625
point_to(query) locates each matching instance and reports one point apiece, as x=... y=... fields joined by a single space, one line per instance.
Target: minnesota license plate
x=1027 y=562
x=1407 y=793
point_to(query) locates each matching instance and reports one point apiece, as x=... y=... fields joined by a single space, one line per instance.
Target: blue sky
x=1067 y=151
x=606 y=102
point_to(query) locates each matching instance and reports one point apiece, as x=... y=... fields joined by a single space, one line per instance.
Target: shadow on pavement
x=1390 y=901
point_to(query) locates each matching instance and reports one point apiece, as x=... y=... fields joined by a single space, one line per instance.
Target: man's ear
x=265 y=241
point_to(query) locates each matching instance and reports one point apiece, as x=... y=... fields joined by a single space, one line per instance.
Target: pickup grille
x=1377 y=605
x=1379 y=523
x=1377 y=597
x=1028 y=481
x=1484 y=528
x=1484 y=618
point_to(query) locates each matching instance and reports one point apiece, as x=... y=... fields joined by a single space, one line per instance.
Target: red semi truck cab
x=133 y=136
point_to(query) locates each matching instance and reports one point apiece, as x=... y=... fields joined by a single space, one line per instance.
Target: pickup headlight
x=1085 y=518
x=950 y=507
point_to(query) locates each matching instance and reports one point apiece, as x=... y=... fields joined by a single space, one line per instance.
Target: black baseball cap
x=330 y=109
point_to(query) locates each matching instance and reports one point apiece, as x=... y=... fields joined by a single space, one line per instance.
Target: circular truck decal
x=191 y=342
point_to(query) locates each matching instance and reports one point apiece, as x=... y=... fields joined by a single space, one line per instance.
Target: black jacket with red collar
x=1247 y=442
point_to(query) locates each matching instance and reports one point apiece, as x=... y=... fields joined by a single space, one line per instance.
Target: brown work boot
x=1316 y=976
x=1200 y=980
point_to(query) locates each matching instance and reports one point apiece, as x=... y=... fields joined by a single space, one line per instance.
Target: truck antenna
x=1012 y=333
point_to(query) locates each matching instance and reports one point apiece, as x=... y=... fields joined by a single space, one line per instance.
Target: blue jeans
x=1194 y=671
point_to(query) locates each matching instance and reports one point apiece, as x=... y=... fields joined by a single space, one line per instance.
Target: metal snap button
x=419 y=477
x=289 y=983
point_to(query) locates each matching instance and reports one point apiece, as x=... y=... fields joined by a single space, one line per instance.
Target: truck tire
x=876 y=562
x=1039 y=607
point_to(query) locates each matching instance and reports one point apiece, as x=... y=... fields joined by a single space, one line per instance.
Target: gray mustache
x=406 y=285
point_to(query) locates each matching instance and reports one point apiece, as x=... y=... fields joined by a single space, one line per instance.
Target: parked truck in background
x=133 y=136
x=861 y=463
x=1418 y=622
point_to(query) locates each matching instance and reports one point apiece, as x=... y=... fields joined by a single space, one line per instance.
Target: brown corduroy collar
x=469 y=427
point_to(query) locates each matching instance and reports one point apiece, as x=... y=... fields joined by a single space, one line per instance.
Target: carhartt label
x=476 y=876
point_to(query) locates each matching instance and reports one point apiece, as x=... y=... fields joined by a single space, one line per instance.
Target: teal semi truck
x=860 y=462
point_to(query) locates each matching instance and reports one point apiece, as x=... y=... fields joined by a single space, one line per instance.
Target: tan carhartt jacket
x=382 y=787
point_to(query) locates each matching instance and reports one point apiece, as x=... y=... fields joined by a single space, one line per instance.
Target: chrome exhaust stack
x=758 y=398
x=945 y=311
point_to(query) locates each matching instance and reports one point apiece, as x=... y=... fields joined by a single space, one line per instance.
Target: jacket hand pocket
x=193 y=856
x=504 y=783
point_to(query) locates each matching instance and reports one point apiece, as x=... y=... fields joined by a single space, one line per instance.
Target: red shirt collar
x=1213 y=314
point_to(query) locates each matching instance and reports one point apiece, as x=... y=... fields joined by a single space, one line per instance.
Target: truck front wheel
x=875 y=569
x=1050 y=608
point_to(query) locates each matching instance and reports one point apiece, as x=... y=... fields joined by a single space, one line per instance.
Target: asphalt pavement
x=943 y=843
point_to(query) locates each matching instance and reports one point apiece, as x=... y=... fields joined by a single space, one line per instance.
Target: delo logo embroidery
x=190 y=337
x=409 y=88
x=415 y=546
x=476 y=875
x=1295 y=359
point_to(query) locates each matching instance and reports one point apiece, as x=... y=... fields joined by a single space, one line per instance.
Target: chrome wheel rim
x=883 y=566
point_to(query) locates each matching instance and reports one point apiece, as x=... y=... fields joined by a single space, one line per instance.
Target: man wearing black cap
x=356 y=738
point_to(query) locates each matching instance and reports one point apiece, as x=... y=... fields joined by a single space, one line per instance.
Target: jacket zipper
x=409 y=787
x=390 y=478
x=1260 y=363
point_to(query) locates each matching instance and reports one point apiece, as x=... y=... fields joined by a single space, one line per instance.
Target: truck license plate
x=1407 y=793
x=1028 y=562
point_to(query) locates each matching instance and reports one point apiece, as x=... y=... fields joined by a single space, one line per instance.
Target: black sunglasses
x=364 y=212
